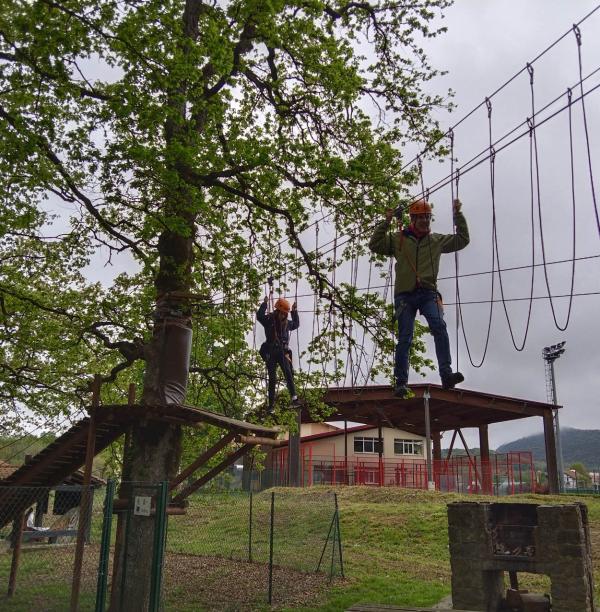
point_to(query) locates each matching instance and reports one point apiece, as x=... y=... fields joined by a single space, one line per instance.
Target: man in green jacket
x=417 y=252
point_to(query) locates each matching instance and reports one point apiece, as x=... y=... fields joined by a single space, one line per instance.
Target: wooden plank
x=187 y=415
x=202 y=459
x=211 y=474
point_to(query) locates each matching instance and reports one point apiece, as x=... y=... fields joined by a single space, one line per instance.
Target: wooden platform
x=68 y=452
x=182 y=415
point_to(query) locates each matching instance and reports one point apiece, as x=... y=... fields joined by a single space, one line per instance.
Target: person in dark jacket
x=417 y=252
x=275 y=350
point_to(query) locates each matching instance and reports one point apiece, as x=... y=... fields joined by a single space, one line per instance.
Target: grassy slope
x=396 y=545
x=395 y=548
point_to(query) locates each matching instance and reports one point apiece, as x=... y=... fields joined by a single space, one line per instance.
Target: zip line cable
x=532 y=217
x=577 y=33
x=446 y=134
x=499 y=300
x=473 y=274
x=539 y=207
x=481 y=157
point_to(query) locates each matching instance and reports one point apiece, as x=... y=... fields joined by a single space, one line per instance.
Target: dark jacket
x=418 y=258
x=276 y=331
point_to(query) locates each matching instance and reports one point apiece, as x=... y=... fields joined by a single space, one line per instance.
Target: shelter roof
x=449 y=408
x=330 y=434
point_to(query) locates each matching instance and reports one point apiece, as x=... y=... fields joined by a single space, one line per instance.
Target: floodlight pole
x=550 y=354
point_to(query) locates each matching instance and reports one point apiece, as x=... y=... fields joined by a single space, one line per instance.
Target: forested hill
x=578 y=445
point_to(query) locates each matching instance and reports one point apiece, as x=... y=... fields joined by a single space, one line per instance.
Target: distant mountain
x=578 y=445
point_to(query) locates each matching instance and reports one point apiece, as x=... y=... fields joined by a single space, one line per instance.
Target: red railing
x=503 y=474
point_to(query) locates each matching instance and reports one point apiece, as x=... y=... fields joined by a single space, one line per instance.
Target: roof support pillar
x=346 y=476
x=551 y=464
x=430 y=481
x=380 y=452
x=436 y=438
x=484 y=455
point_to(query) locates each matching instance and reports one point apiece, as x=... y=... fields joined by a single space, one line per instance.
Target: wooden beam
x=259 y=440
x=85 y=509
x=202 y=459
x=471 y=462
x=211 y=474
x=17 y=540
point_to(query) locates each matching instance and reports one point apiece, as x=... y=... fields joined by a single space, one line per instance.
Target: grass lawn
x=395 y=548
x=396 y=545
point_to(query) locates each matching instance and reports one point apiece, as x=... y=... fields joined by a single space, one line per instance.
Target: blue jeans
x=406 y=306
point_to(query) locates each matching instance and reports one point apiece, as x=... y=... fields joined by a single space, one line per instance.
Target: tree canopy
x=191 y=144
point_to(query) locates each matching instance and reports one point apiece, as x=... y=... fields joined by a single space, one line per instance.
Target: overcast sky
x=486 y=44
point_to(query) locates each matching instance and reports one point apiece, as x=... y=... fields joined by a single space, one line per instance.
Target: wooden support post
x=17 y=539
x=484 y=455
x=84 y=508
x=551 y=463
x=380 y=452
x=294 y=453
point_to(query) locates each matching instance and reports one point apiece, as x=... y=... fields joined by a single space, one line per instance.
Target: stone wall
x=561 y=549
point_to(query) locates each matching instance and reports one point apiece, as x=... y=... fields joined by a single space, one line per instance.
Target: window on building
x=367 y=445
x=408 y=447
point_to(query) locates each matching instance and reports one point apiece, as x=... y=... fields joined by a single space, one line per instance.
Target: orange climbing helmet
x=283 y=305
x=420 y=207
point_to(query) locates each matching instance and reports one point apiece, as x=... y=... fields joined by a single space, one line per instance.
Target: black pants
x=275 y=355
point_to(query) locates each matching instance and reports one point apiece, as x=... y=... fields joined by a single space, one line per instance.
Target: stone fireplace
x=488 y=539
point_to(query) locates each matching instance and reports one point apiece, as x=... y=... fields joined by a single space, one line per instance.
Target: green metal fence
x=230 y=550
x=276 y=547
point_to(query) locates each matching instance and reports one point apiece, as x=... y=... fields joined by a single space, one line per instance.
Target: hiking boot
x=452 y=380
x=400 y=391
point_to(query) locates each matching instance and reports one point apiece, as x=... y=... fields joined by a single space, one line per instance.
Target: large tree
x=185 y=140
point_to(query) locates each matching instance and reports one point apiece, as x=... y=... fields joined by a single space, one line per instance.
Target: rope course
x=343 y=309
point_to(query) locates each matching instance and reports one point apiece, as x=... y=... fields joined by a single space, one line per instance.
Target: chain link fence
x=237 y=550
x=228 y=551
x=38 y=535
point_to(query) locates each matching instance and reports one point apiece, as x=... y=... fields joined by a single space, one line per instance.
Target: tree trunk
x=156 y=446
